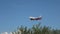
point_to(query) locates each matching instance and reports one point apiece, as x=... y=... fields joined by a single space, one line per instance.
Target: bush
x=36 y=29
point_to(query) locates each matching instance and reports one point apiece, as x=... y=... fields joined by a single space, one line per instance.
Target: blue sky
x=14 y=13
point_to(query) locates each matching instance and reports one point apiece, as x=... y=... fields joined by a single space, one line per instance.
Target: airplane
x=36 y=18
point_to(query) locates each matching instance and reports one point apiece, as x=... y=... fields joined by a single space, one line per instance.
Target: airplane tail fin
x=40 y=16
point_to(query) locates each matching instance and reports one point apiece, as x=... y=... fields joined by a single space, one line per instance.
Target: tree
x=36 y=29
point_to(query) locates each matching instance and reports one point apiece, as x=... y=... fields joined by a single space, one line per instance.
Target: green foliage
x=36 y=29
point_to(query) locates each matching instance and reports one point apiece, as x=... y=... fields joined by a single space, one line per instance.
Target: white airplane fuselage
x=35 y=18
